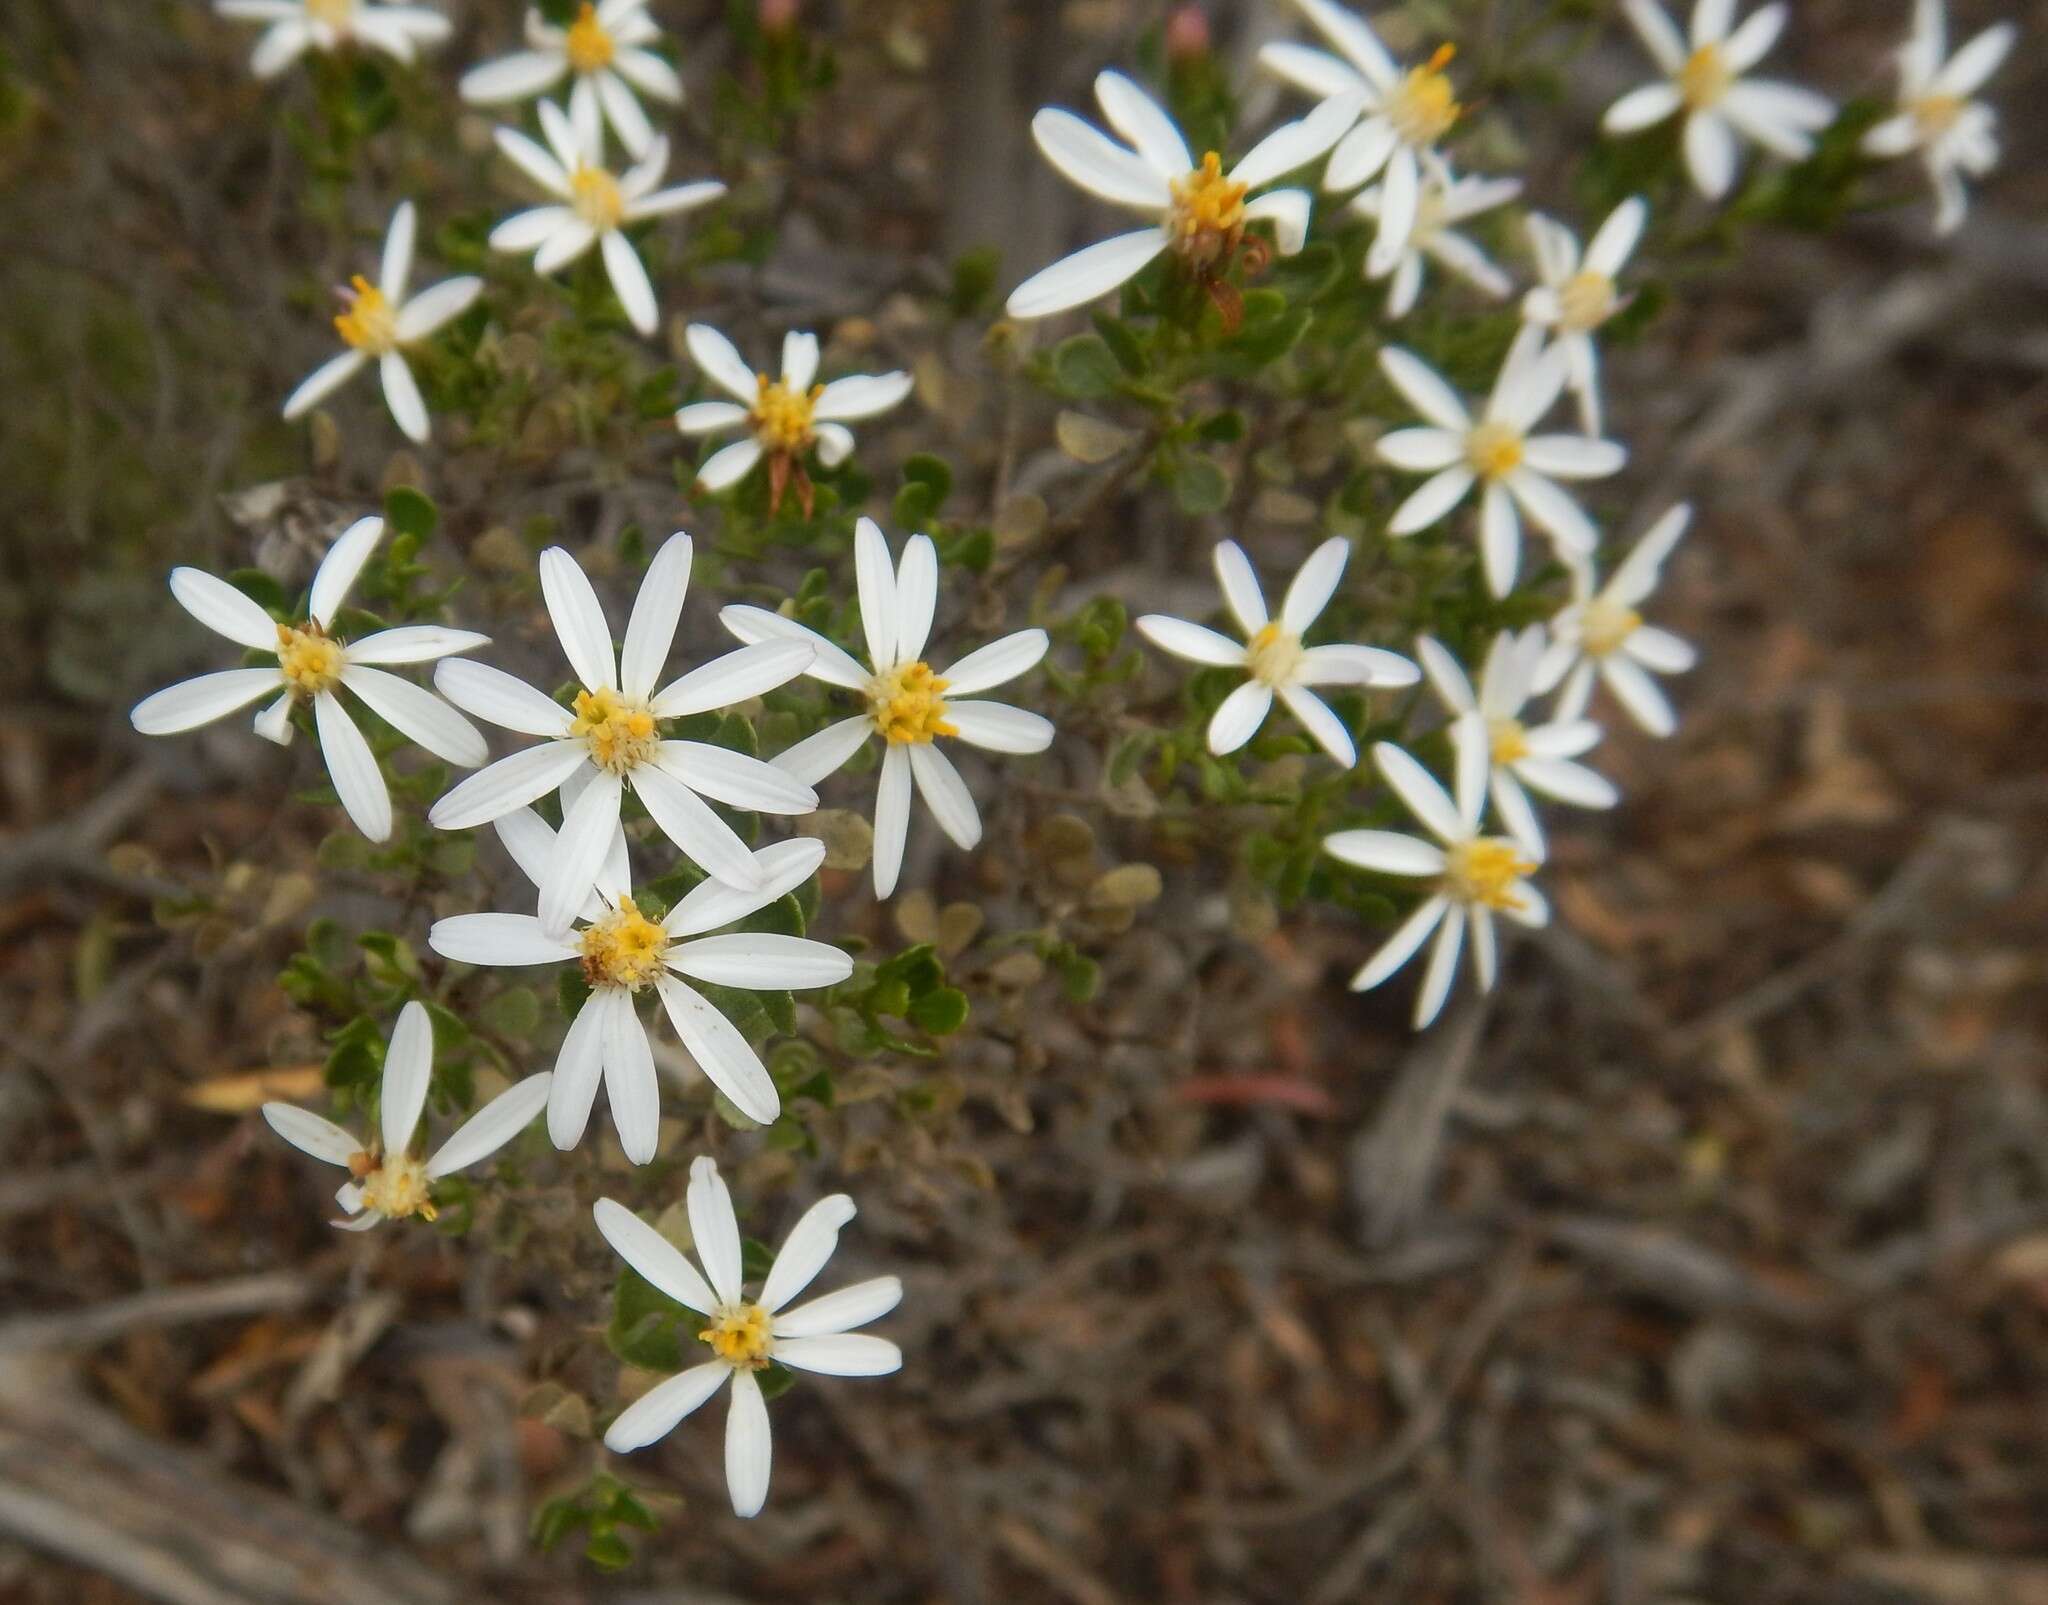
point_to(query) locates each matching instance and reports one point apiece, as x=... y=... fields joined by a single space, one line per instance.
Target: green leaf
x=922 y=468
x=775 y=1381
x=1200 y=485
x=514 y=1012
x=1122 y=343
x=571 y=993
x=259 y=588
x=1083 y=368
x=411 y=512
x=648 y=1328
x=939 y=1012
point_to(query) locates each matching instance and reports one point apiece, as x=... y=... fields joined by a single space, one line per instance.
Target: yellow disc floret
x=1605 y=625
x=740 y=1335
x=396 y=1187
x=1704 y=80
x=1494 y=450
x=623 y=949
x=1423 y=107
x=1274 y=656
x=370 y=323
x=1486 y=872
x=311 y=660
x=906 y=704
x=1207 y=216
x=589 y=47
x=1935 y=115
x=1508 y=739
x=594 y=194
x=337 y=14
x=781 y=417
x=1585 y=301
x=619 y=734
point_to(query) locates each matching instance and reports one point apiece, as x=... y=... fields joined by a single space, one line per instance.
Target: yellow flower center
x=395 y=1188
x=594 y=194
x=1207 y=216
x=623 y=949
x=1585 y=301
x=1486 y=872
x=906 y=705
x=1423 y=107
x=1494 y=450
x=781 y=419
x=619 y=734
x=1605 y=625
x=1510 y=741
x=311 y=660
x=588 y=45
x=1704 y=79
x=1937 y=114
x=1274 y=655
x=335 y=13
x=740 y=1335
x=370 y=323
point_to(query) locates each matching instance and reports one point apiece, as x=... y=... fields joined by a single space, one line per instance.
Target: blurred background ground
x=1709 y=1264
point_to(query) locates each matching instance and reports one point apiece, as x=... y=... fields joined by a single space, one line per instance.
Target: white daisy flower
x=1198 y=211
x=1279 y=665
x=1519 y=754
x=1577 y=294
x=1476 y=875
x=296 y=26
x=595 y=206
x=1599 y=632
x=387 y=1180
x=623 y=953
x=1445 y=200
x=379 y=322
x=606 y=49
x=746 y=1336
x=611 y=736
x=313 y=666
x=784 y=418
x=1496 y=451
x=908 y=705
x=1704 y=80
x=1955 y=135
x=1405 y=114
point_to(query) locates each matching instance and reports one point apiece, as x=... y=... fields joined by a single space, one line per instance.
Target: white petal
x=747 y=1446
x=574 y=137
x=748 y=671
x=629 y=278
x=408 y=1068
x=1400 y=204
x=655 y=1414
x=784 y=866
x=1573 y=456
x=223 y=609
x=1323 y=725
x=1300 y=142
x=1569 y=782
x=577 y=1068
x=413 y=643
x=1355 y=665
x=191 y=703
x=396 y=266
x=1195 y=642
x=721 y=362
x=649 y=74
x=1660 y=36
x=998 y=727
x=435 y=305
x=715 y=1228
x=1418 y=788
x=1436 y=497
x=1517 y=817
x=1472 y=754
x=509 y=783
x=917 y=597
x=1642 y=108
x=1970 y=67
x=578 y=619
x=651 y=631
x=531 y=229
x=721 y=1053
x=274 y=723
x=1421 y=451
x=1360 y=155
x=1485 y=948
x=569 y=241
x=536 y=163
x=710 y=417
x=1350 y=33
x=1425 y=390
x=999 y=662
x=1710 y=21
x=945 y=794
x=1500 y=538
x=281 y=45
x=803 y=1254
x=1659 y=649
x=495 y=696
x=1386 y=852
x=629 y=1083
x=1288 y=211
x=833 y=444
x=841 y=1311
x=1443 y=967
x=892 y=818
x=1615 y=241
x=1553 y=511
x=623 y=112
x=735 y=779
x=827 y=752
x=682 y=198
x=323 y=381
x=875 y=578
x=1316 y=71
x=353 y=768
x=1776 y=116
x=729 y=464
x=1238 y=717
x=418 y=714
x=653 y=1256
x=1095 y=163
x=1636 y=577
x=310 y=1134
x=519 y=76
x=336 y=575
x=1400 y=947
x=844 y=1354
x=1710 y=154
x=861 y=395
x=1640 y=694
x=1314 y=584
x=498 y=940
x=687 y=820
x=1240 y=585
x=1750 y=43
x=580 y=848
x=1088 y=273
x=1144 y=122
x=1446 y=675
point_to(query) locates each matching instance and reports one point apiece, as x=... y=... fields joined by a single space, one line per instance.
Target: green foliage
x=603 y=1510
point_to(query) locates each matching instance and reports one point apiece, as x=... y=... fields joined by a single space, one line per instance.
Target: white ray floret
x=1272 y=654
x=1705 y=81
x=606 y=49
x=784 y=417
x=1495 y=451
x=1405 y=113
x=1521 y=756
x=1955 y=134
x=387 y=1180
x=593 y=206
x=293 y=27
x=1600 y=634
x=611 y=737
x=1194 y=208
x=907 y=704
x=1475 y=876
x=313 y=666
x=623 y=953
x=747 y=1335
x=379 y=321
x=1446 y=200
x=1577 y=294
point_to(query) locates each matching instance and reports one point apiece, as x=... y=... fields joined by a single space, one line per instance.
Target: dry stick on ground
x=1392 y=1162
